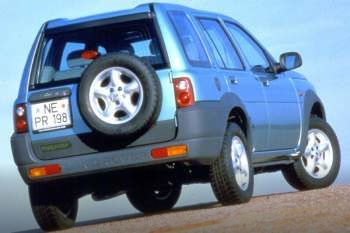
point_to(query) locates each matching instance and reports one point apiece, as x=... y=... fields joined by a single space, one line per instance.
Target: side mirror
x=290 y=61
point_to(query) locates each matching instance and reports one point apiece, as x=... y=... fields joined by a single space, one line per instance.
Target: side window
x=215 y=51
x=254 y=54
x=223 y=48
x=142 y=48
x=68 y=49
x=189 y=38
x=48 y=46
x=101 y=50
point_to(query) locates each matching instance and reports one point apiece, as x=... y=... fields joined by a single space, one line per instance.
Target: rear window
x=62 y=61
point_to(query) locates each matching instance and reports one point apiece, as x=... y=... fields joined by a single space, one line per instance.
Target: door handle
x=266 y=83
x=265 y=80
x=233 y=80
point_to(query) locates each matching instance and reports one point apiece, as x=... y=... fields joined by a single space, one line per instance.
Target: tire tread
x=222 y=176
x=47 y=212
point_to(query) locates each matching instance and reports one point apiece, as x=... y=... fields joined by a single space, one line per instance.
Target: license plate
x=51 y=115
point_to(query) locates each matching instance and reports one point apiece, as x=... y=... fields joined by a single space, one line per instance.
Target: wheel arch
x=317 y=109
x=237 y=113
x=312 y=106
x=238 y=116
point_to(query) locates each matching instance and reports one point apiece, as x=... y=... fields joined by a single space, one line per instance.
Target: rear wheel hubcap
x=240 y=163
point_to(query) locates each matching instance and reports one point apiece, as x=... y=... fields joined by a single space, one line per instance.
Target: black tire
x=53 y=209
x=152 y=99
x=222 y=174
x=147 y=201
x=296 y=175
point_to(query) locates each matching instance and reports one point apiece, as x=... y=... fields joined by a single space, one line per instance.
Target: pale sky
x=319 y=30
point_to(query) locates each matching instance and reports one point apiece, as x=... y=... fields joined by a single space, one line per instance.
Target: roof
x=144 y=8
x=68 y=22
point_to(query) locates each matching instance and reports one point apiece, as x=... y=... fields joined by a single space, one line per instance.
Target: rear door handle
x=266 y=83
x=233 y=80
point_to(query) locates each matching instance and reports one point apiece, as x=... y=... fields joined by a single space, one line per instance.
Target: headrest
x=125 y=48
x=75 y=60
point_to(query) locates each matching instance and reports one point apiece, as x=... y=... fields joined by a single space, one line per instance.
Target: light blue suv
x=145 y=100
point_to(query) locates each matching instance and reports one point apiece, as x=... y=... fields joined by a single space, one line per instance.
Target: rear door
x=238 y=80
x=283 y=109
x=60 y=68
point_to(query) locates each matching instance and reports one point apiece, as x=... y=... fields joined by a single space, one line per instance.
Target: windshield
x=62 y=56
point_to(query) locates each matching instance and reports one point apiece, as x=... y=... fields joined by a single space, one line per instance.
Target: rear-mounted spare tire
x=119 y=95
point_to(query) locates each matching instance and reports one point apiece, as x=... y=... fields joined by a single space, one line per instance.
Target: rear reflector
x=48 y=170
x=171 y=151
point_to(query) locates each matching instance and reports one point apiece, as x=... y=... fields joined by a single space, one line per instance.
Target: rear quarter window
x=189 y=39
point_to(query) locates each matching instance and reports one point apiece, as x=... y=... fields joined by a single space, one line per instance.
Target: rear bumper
x=202 y=150
x=200 y=127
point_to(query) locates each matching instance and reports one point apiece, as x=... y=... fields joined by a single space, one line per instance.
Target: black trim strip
x=51 y=94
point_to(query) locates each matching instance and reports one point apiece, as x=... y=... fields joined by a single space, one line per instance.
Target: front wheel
x=53 y=208
x=155 y=199
x=319 y=164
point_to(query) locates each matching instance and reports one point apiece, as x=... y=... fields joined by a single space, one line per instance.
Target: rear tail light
x=183 y=92
x=21 y=125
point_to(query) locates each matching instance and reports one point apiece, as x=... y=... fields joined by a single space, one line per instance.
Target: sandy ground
x=326 y=210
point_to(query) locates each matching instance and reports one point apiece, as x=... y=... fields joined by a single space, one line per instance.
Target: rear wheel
x=53 y=208
x=319 y=164
x=155 y=199
x=232 y=173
